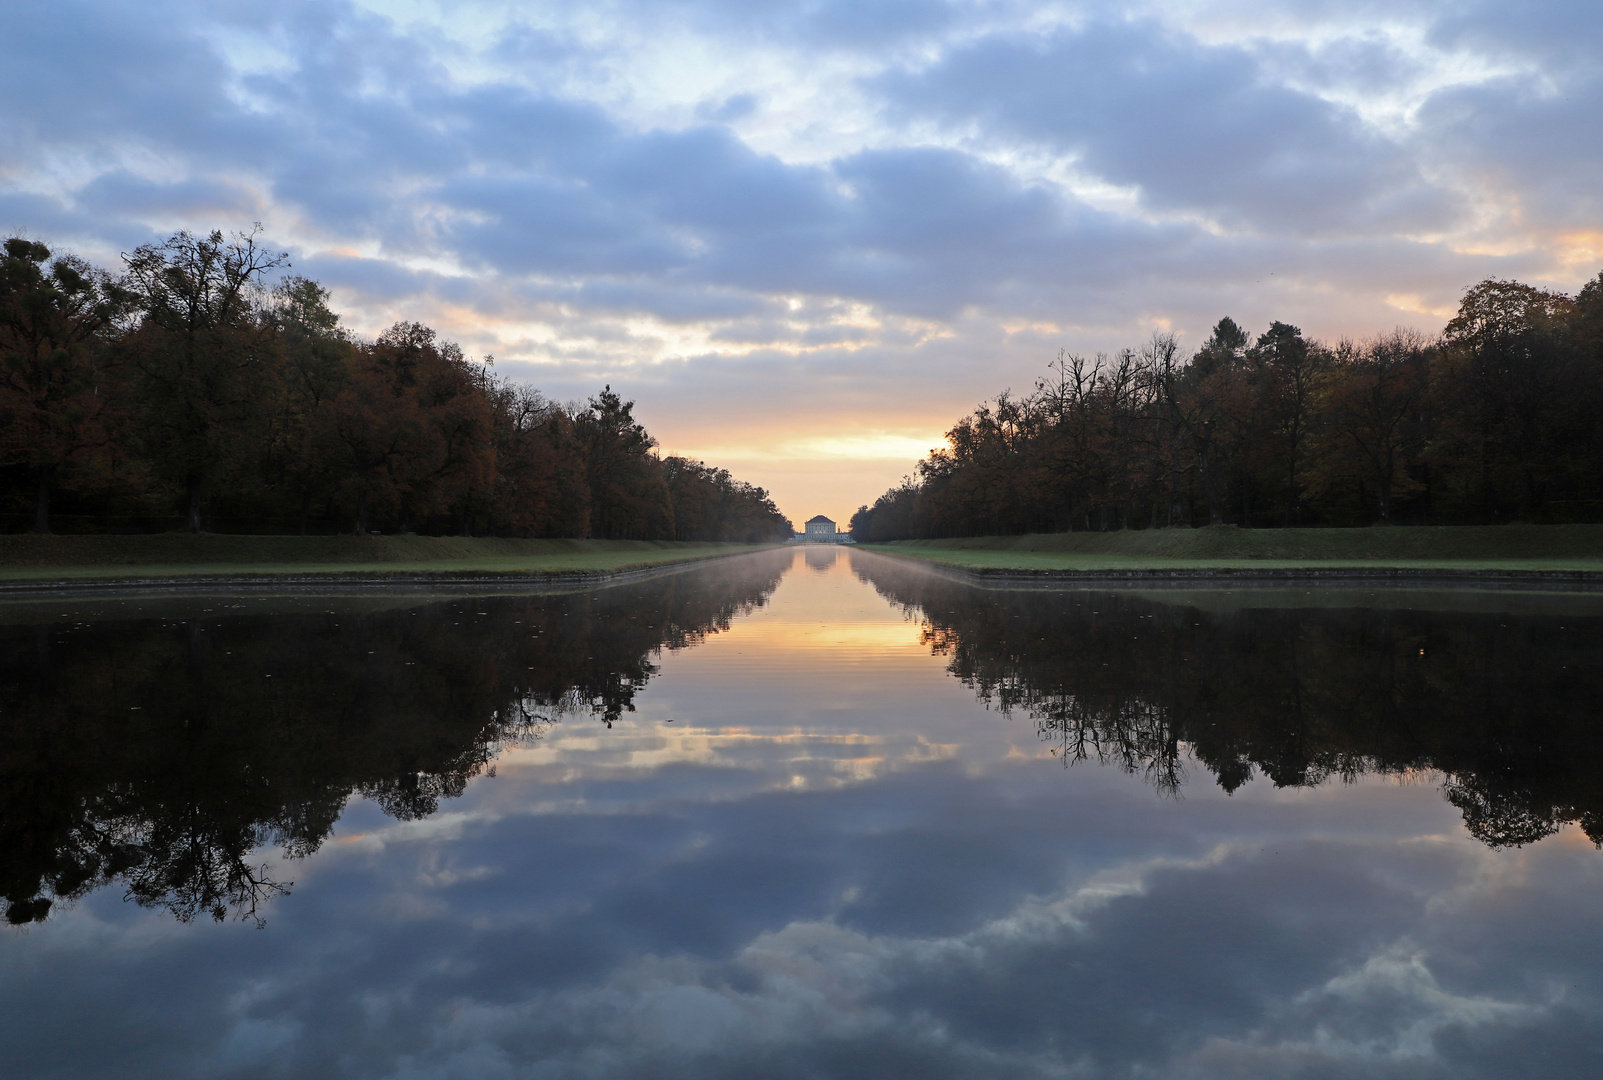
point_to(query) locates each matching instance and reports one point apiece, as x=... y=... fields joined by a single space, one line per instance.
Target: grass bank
x=1458 y=549
x=33 y=558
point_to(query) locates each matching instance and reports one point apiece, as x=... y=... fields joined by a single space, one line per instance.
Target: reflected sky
x=806 y=846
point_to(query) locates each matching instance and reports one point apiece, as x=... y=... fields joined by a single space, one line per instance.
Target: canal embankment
x=31 y=563
x=1561 y=556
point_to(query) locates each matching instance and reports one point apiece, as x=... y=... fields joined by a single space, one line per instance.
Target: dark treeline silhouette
x=1503 y=704
x=160 y=745
x=1498 y=419
x=184 y=390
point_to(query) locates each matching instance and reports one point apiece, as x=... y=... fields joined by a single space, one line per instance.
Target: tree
x=1226 y=345
x=709 y=504
x=314 y=363
x=1199 y=399
x=1290 y=368
x=1587 y=318
x=1226 y=384
x=411 y=433
x=200 y=353
x=541 y=488
x=1370 y=399
x=1065 y=460
x=56 y=391
x=628 y=495
x=1166 y=427
x=1505 y=367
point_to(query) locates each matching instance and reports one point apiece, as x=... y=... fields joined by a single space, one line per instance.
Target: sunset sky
x=806 y=236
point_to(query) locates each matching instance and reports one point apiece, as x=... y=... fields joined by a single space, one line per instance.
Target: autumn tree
x=1370 y=400
x=1201 y=399
x=314 y=362
x=57 y=393
x=411 y=433
x=201 y=354
x=541 y=488
x=1587 y=320
x=628 y=494
x=1289 y=368
x=1167 y=429
x=710 y=504
x=1505 y=391
x=1065 y=462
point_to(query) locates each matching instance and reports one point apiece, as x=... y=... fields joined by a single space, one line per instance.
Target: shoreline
x=1261 y=577
x=362 y=579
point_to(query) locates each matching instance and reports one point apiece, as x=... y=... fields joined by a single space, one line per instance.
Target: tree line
x=188 y=390
x=1499 y=418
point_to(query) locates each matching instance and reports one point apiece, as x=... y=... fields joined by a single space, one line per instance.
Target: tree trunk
x=1383 y=481
x=1291 y=492
x=193 y=491
x=41 y=505
x=1210 y=489
x=1488 y=505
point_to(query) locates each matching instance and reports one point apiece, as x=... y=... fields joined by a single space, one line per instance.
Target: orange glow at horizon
x=825 y=638
x=808 y=471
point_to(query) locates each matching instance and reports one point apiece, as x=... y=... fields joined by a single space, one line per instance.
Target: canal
x=805 y=813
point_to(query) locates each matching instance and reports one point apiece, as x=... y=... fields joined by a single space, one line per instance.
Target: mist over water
x=803 y=813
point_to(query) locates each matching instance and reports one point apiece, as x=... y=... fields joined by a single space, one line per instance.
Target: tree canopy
x=1500 y=418
x=190 y=391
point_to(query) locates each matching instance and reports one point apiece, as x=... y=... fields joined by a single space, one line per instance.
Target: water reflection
x=160 y=744
x=807 y=851
x=1504 y=703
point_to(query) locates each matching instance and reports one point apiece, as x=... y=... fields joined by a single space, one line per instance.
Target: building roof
x=820 y=520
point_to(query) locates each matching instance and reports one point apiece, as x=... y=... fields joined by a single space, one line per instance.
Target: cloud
x=1532 y=146
x=1195 y=128
x=622 y=190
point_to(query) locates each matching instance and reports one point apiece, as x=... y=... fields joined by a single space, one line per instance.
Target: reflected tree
x=1503 y=706
x=169 y=749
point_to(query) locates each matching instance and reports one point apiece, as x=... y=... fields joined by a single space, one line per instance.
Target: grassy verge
x=1456 y=548
x=168 y=555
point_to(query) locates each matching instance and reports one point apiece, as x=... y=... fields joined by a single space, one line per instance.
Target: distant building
x=821 y=530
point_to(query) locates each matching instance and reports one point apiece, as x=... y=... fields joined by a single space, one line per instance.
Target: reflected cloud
x=803 y=856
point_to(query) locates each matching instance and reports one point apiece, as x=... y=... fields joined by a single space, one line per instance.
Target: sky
x=805 y=237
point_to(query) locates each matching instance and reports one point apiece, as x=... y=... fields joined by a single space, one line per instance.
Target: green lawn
x=76 y=558
x=1459 y=548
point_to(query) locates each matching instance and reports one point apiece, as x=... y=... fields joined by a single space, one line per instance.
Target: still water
x=806 y=813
